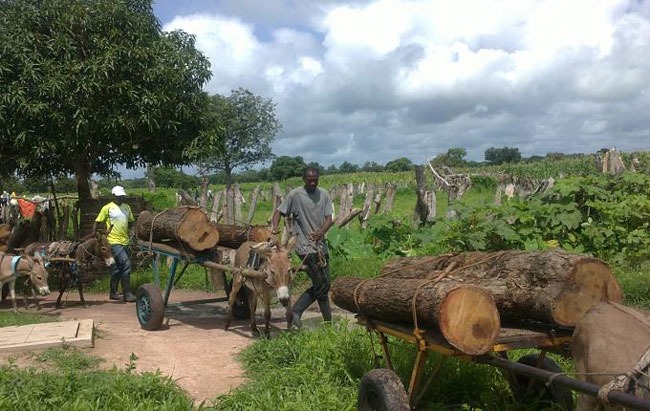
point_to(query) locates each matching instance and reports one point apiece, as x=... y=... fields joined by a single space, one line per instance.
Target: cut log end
x=594 y=282
x=469 y=320
x=195 y=230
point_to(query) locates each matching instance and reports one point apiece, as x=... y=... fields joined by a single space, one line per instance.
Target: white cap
x=118 y=191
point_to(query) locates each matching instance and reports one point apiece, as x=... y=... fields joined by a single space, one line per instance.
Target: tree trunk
x=421 y=212
x=232 y=236
x=187 y=225
x=550 y=286
x=466 y=315
x=83 y=181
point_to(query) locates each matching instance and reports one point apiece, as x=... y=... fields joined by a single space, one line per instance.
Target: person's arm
x=275 y=222
x=319 y=234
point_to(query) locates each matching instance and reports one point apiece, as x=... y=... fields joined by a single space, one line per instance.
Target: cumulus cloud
x=376 y=80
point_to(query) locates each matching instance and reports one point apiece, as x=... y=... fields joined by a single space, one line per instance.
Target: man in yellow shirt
x=117 y=216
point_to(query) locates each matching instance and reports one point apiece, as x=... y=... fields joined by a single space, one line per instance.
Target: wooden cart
x=381 y=389
x=151 y=303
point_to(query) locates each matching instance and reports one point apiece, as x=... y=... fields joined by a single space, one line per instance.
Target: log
x=466 y=315
x=232 y=236
x=550 y=286
x=175 y=249
x=187 y=225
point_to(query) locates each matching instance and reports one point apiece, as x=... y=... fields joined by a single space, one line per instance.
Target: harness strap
x=14 y=263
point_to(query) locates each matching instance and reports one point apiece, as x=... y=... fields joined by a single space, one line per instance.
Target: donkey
x=608 y=344
x=275 y=261
x=12 y=266
x=92 y=248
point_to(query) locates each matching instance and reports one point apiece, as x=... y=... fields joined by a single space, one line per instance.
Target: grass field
x=316 y=369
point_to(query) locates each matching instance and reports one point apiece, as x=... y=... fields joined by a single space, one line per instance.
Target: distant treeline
x=505 y=159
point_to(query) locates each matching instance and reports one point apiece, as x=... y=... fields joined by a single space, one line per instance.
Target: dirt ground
x=191 y=346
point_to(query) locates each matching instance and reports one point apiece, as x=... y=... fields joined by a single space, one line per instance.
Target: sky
x=362 y=81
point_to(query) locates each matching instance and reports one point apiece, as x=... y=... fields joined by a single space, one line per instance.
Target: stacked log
x=466 y=315
x=552 y=286
x=232 y=236
x=186 y=226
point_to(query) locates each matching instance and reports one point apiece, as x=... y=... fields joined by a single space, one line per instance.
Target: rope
x=626 y=381
x=448 y=270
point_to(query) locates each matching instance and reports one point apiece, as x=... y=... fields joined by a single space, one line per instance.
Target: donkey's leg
x=64 y=281
x=252 y=304
x=81 y=294
x=267 y=314
x=232 y=297
x=76 y=274
x=12 y=294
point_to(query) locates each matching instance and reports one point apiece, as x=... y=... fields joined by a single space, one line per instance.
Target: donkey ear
x=291 y=243
x=264 y=248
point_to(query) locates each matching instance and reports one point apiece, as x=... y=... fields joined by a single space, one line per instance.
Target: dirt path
x=191 y=347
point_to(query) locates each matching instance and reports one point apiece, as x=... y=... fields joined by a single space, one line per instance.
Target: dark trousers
x=320 y=284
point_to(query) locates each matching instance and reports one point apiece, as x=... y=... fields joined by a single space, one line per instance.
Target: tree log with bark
x=187 y=225
x=232 y=236
x=466 y=315
x=550 y=286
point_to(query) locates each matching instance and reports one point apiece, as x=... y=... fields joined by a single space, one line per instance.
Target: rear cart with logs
x=150 y=301
x=381 y=388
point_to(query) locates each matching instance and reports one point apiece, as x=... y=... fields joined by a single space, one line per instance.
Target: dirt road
x=191 y=347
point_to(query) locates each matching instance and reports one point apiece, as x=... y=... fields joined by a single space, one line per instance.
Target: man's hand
x=316 y=236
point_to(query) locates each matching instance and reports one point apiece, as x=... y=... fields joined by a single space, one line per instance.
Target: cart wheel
x=560 y=396
x=382 y=390
x=149 y=307
x=240 y=310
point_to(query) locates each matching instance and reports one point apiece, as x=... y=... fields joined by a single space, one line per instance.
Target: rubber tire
x=381 y=390
x=241 y=308
x=149 y=307
x=560 y=396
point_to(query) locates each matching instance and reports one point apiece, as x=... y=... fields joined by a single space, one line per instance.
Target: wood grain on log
x=187 y=225
x=232 y=236
x=551 y=286
x=466 y=315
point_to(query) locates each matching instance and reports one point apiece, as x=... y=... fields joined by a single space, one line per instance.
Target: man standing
x=118 y=216
x=309 y=209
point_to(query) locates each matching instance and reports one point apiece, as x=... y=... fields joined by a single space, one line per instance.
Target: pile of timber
x=468 y=295
x=232 y=236
x=182 y=227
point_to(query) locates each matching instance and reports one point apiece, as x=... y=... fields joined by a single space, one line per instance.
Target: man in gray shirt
x=310 y=210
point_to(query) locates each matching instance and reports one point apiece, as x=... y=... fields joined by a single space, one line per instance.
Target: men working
x=118 y=216
x=310 y=210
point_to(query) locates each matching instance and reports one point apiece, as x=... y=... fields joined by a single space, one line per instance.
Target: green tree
x=372 y=166
x=502 y=155
x=237 y=133
x=399 y=164
x=87 y=85
x=171 y=178
x=348 y=168
x=454 y=157
x=284 y=167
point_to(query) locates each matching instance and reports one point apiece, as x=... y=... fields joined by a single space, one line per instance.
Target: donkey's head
x=37 y=274
x=277 y=266
x=103 y=248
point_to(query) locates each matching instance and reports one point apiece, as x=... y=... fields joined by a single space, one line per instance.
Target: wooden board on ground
x=46 y=335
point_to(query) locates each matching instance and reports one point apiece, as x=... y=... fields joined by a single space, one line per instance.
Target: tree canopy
x=86 y=85
x=502 y=155
x=237 y=133
x=399 y=164
x=284 y=167
x=454 y=157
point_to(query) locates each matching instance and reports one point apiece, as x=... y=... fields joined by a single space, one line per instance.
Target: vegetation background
x=605 y=216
